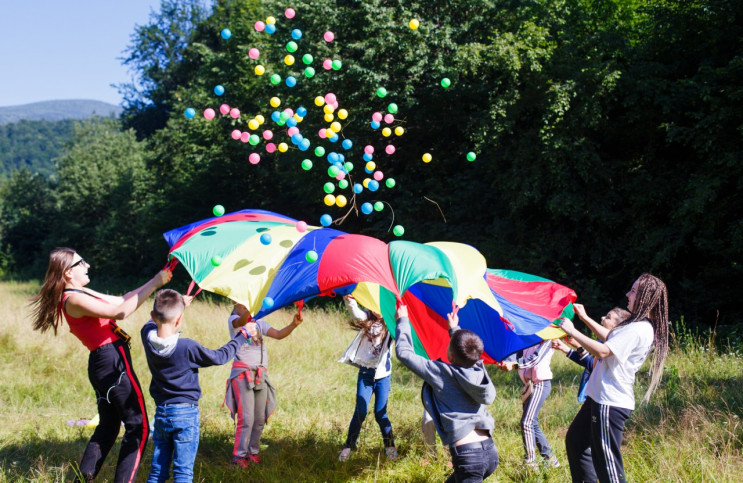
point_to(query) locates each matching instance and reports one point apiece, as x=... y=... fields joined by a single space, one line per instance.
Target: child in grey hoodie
x=455 y=394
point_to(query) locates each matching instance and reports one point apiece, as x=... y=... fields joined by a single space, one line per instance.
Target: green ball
x=306 y=165
x=284 y=116
x=343 y=184
x=348 y=165
x=309 y=72
x=254 y=139
x=218 y=210
x=381 y=92
x=378 y=206
x=337 y=64
x=319 y=151
x=333 y=171
x=390 y=182
x=471 y=156
x=392 y=108
x=291 y=46
x=275 y=79
x=311 y=256
x=280 y=122
x=445 y=82
x=307 y=59
x=329 y=187
x=216 y=260
x=398 y=230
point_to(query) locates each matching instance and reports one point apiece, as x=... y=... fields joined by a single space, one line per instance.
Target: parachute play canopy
x=267 y=261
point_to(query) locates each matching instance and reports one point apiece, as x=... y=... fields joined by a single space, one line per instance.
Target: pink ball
x=245 y=137
x=254 y=53
x=289 y=112
x=378 y=175
x=260 y=26
x=321 y=133
x=236 y=134
x=254 y=158
x=377 y=116
x=301 y=226
x=335 y=105
x=267 y=135
x=390 y=149
x=329 y=36
x=330 y=98
x=209 y=113
x=224 y=108
x=292 y=131
x=270 y=147
x=327 y=64
x=289 y=13
x=234 y=113
x=389 y=118
x=340 y=176
x=369 y=149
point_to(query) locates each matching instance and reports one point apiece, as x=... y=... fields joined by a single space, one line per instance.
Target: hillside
x=57 y=110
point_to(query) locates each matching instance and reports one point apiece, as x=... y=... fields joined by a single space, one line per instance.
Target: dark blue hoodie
x=174 y=363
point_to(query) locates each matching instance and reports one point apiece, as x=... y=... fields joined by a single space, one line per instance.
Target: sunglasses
x=82 y=260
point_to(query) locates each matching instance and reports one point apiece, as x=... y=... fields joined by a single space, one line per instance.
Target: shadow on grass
x=43 y=459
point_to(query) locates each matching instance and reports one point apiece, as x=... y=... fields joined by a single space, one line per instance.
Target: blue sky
x=66 y=49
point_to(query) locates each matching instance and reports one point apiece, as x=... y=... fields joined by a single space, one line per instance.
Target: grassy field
x=691 y=430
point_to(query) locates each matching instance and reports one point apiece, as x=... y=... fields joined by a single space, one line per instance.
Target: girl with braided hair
x=594 y=438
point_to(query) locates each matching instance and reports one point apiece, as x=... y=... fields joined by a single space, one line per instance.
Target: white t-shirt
x=613 y=378
x=251 y=352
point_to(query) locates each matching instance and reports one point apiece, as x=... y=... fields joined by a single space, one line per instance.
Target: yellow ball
x=371 y=165
x=253 y=124
x=341 y=201
x=414 y=23
x=336 y=126
x=275 y=102
x=319 y=100
x=298 y=117
x=328 y=109
x=386 y=132
x=329 y=132
x=260 y=119
x=329 y=117
x=342 y=114
x=329 y=200
x=271 y=20
x=399 y=130
x=427 y=158
x=366 y=182
x=260 y=70
x=289 y=60
x=283 y=147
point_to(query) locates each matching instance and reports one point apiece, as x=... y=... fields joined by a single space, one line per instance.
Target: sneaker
x=530 y=465
x=391 y=453
x=241 y=462
x=552 y=462
x=345 y=454
x=254 y=458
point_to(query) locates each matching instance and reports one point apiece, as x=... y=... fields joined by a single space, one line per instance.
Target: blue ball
x=373 y=185
x=296 y=34
x=305 y=144
x=374 y=125
x=301 y=111
x=226 y=34
x=270 y=28
x=266 y=239
x=291 y=122
x=368 y=171
x=297 y=138
x=341 y=157
x=333 y=157
x=326 y=220
x=358 y=188
x=368 y=157
x=347 y=144
x=268 y=303
x=334 y=138
x=275 y=116
x=189 y=113
x=367 y=208
x=291 y=81
x=218 y=90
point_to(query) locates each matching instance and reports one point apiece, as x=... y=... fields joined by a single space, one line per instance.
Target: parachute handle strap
x=190 y=287
x=300 y=306
x=170 y=266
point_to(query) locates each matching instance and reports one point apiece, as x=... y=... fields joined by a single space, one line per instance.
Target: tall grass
x=690 y=431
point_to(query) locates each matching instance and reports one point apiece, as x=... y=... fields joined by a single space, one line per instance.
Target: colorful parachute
x=260 y=259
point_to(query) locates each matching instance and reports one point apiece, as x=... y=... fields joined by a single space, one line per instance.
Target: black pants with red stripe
x=120 y=399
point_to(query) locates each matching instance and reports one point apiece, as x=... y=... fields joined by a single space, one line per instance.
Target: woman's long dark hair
x=46 y=314
x=366 y=325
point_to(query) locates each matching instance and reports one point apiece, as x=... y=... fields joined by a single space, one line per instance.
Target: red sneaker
x=254 y=458
x=241 y=462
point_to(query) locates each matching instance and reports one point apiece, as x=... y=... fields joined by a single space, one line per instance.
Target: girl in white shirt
x=594 y=438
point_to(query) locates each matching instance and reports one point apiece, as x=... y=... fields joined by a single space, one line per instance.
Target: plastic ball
x=390 y=183
x=328 y=187
x=367 y=157
x=306 y=165
x=266 y=239
x=219 y=90
x=311 y=256
x=301 y=226
x=329 y=200
x=309 y=72
x=275 y=102
x=392 y=108
x=304 y=145
x=399 y=131
x=328 y=117
x=373 y=185
x=333 y=171
x=336 y=64
x=259 y=26
x=348 y=166
x=283 y=147
x=216 y=260
x=270 y=28
x=301 y=111
x=427 y=158
x=289 y=13
x=224 y=109
x=328 y=109
x=340 y=201
x=343 y=184
x=307 y=59
x=319 y=151
x=291 y=81
x=254 y=140
x=226 y=34
x=326 y=220
x=209 y=113
x=327 y=64
x=236 y=134
x=330 y=98
x=245 y=137
x=319 y=101
x=374 y=125
x=296 y=34
x=254 y=158
x=218 y=210
x=347 y=144
x=398 y=230
x=271 y=20
x=328 y=36
x=386 y=132
x=389 y=118
x=234 y=113
x=336 y=126
x=370 y=166
x=366 y=208
x=267 y=134
x=378 y=175
x=268 y=302
x=378 y=206
x=381 y=92
x=414 y=24
x=259 y=70
x=333 y=138
x=270 y=148
x=260 y=119
x=289 y=60
x=291 y=46
x=445 y=82
x=190 y=113
x=275 y=79
x=357 y=188
x=471 y=156
x=254 y=53
x=390 y=149
x=377 y=116
x=253 y=124
x=342 y=114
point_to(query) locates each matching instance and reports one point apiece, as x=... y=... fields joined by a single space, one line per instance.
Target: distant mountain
x=57 y=110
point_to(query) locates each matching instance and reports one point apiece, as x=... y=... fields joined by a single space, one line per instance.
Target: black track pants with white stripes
x=593 y=443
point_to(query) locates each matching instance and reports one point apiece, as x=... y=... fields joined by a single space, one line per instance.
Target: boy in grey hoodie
x=455 y=395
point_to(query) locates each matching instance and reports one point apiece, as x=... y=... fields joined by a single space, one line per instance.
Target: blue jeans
x=473 y=462
x=176 y=439
x=531 y=433
x=365 y=386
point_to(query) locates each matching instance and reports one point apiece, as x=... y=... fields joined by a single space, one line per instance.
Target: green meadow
x=690 y=431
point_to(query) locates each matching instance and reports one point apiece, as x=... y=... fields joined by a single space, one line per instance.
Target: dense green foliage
x=609 y=134
x=33 y=145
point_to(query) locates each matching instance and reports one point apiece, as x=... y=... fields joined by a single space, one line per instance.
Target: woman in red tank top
x=91 y=317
